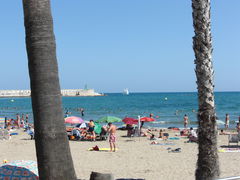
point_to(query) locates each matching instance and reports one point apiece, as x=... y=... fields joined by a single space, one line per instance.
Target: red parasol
x=130 y=121
x=147 y=119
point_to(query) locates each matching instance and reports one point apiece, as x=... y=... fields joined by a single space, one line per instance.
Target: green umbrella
x=97 y=128
x=108 y=119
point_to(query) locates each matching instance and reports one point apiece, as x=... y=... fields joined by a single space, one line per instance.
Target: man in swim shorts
x=112 y=136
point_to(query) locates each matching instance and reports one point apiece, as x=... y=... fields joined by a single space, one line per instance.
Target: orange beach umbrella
x=147 y=119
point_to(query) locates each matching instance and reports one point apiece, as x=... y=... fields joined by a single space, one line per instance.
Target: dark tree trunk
x=52 y=147
x=207 y=164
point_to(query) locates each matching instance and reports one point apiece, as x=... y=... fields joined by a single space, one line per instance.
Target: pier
x=64 y=92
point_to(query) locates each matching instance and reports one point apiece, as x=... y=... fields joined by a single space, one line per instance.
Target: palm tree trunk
x=52 y=147
x=207 y=164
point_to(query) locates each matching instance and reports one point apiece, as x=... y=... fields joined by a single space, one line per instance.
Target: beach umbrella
x=97 y=128
x=19 y=169
x=83 y=125
x=108 y=119
x=130 y=121
x=73 y=120
x=147 y=119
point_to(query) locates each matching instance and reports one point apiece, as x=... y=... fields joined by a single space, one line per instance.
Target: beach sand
x=135 y=157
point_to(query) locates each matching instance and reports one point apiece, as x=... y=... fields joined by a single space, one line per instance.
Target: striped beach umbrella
x=19 y=170
x=73 y=120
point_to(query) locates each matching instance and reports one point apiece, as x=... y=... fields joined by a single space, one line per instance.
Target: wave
x=219 y=122
x=172 y=122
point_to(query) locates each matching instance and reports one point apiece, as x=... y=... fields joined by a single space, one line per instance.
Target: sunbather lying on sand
x=224 y=133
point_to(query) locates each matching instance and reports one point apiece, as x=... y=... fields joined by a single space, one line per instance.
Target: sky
x=142 y=45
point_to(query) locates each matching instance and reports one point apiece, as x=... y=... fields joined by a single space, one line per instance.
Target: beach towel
x=174 y=138
x=223 y=150
x=13 y=134
x=163 y=144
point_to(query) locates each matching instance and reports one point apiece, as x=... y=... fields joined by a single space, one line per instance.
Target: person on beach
x=112 y=136
x=227 y=119
x=185 y=121
x=67 y=113
x=141 y=125
x=224 y=132
x=22 y=121
x=238 y=128
x=162 y=135
x=151 y=115
x=130 y=131
x=82 y=111
x=18 y=120
x=152 y=137
x=91 y=129
x=193 y=137
x=22 y=118
x=5 y=123
x=26 y=119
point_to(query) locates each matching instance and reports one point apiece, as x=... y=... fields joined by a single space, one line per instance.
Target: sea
x=168 y=108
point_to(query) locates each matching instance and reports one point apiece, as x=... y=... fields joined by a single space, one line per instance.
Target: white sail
x=125 y=91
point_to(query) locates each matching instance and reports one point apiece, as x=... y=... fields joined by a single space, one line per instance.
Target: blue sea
x=168 y=108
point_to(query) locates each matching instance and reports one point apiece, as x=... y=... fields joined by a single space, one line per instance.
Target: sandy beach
x=135 y=158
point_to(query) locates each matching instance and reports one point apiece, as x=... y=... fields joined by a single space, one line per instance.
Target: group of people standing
x=20 y=121
x=81 y=110
x=110 y=129
x=226 y=124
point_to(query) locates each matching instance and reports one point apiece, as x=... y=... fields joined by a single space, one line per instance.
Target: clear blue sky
x=110 y=45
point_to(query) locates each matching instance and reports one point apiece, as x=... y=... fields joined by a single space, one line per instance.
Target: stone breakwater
x=64 y=92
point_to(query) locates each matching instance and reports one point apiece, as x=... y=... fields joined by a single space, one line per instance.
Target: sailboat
x=125 y=91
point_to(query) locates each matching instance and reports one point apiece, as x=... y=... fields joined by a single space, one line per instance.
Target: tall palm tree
x=207 y=164
x=52 y=147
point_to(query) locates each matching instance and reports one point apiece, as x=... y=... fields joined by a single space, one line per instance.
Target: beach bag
x=72 y=137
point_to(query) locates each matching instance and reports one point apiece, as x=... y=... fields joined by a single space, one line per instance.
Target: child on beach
x=112 y=136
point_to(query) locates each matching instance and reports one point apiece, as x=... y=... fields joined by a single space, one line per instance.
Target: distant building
x=64 y=92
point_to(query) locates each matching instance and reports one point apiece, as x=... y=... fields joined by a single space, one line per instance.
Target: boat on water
x=125 y=91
